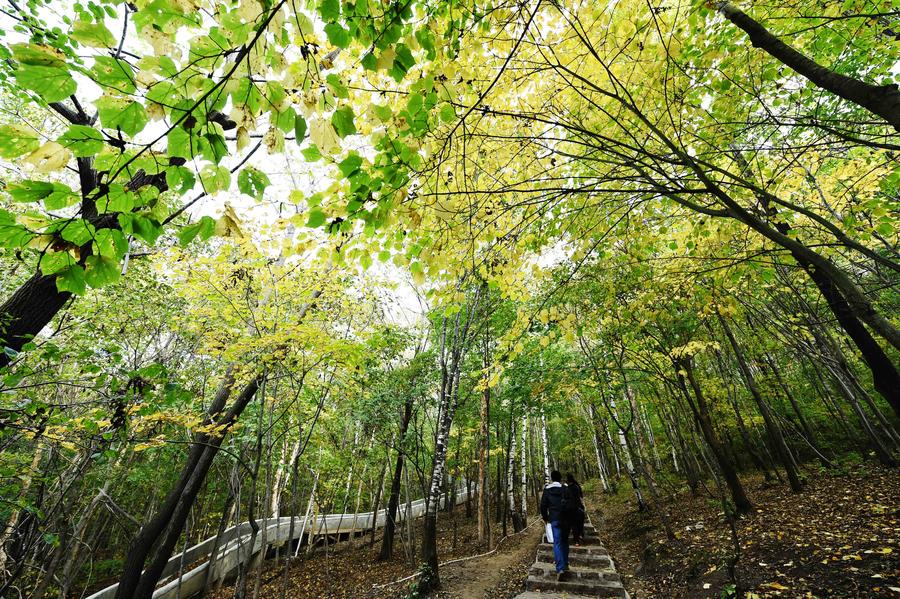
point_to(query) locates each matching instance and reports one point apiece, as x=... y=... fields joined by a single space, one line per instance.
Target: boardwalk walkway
x=183 y=577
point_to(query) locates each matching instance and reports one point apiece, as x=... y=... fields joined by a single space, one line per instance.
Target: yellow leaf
x=49 y=157
x=229 y=225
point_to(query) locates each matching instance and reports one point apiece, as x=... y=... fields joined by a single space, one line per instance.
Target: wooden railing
x=234 y=546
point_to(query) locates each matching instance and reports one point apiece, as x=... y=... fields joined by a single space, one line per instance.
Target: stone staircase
x=591 y=572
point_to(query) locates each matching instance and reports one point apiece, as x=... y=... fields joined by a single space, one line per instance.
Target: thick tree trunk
x=483 y=486
x=601 y=463
x=28 y=311
x=390 y=519
x=545 y=446
x=845 y=299
x=523 y=457
x=701 y=413
x=166 y=526
x=772 y=428
x=885 y=377
x=451 y=357
x=882 y=100
x=629 y=461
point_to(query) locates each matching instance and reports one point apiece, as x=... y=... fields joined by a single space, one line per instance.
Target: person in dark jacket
x=554 y=511
x=575 y=507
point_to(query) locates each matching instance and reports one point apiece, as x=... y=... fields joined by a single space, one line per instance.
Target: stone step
x=582 y=550
x=587 y=588
x=540 y=595
x=588 y=539
x=598 y=561
x=576 y=573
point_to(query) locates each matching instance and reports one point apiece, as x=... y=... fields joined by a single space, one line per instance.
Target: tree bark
x=166 y=526
x=451 y=363
x=772 y=428
x=882 y=100
x=27 y=312
x=701 y=413
x=390 y=519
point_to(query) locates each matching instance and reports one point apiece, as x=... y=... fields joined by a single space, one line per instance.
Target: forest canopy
x=268 y=258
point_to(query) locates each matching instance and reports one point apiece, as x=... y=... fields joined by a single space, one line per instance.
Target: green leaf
x=447 y=113
x=418 y=273
x=114 y=73
x=180 y=179
x=369 y=62
x=117 y=199
x=35 y=54
x=215 y=178
x=403 y=62
x=82 y=140
x=312 y=153
x=382 y=112
x=316 y=218
x=330 y=9
x=16 y=141
x=337 y=87
x=253 y=182
x=110 y=243
x=95 y=35
x=54 y=194
x=71 y=279
x=77 y=231
x=12 y=234
x=118 y=113
x=52 y=84
x=415 y=103
x=342 y=120
x=53 y=262
x=299 y=128
x=214 y=148
x=426 y=40
x=337 y=35
x=350 y=164
x=178 y=143
x=204 y=228
x=101 y=270
x=140 y=226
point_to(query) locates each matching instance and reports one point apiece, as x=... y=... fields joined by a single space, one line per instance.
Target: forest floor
x=353 y=571
x=839 y=538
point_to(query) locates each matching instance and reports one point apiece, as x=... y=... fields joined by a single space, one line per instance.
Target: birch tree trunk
x=451 y=356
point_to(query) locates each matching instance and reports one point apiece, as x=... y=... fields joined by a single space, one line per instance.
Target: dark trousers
x=576 y=523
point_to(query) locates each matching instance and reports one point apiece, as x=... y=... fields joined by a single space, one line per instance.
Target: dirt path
x=500 y=574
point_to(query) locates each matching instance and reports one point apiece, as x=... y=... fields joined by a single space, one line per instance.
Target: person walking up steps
x=575 y=510
x=554 y=508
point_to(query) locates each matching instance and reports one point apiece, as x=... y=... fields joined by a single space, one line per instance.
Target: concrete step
x=582 y=550
x=587 y=588
x=597 y=561
x=576 y=573
x=588 y=539
x=547 y=595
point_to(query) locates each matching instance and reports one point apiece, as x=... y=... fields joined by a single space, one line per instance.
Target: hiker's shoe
x=560 y=576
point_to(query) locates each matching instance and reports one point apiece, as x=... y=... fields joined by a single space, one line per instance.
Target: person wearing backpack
x=576 y=509
x=554 y=511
